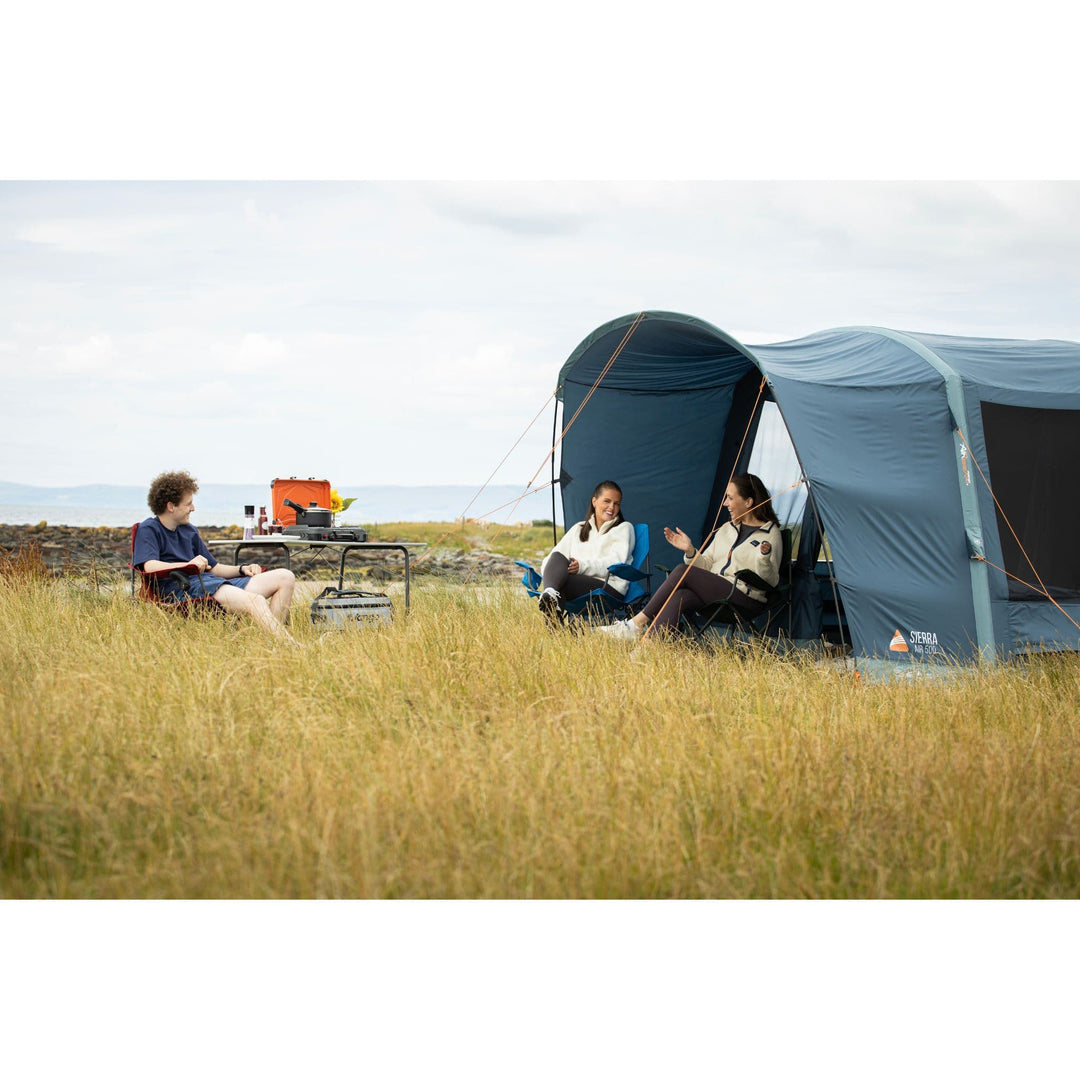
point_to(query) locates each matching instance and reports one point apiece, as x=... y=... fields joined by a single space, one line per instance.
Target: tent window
x=1031 y=452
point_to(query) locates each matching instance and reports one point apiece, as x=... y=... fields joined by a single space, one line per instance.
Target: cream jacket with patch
x=719 y=557
x=611 y=543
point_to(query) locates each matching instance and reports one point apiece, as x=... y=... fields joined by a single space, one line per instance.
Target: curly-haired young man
x=169 y=541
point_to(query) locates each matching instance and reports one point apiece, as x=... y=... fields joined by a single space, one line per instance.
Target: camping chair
x=601 y=606
x=724 y=613
x=144 y=586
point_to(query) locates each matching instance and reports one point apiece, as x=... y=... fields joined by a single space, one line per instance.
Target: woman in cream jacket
x=579 y=562
x=750 y=540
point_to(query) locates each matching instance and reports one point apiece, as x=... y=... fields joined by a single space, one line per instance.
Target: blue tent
x=936 y=468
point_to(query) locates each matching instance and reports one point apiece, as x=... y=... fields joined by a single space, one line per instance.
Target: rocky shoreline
x=66 y=549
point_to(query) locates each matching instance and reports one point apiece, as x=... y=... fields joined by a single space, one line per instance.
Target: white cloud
x=252 y=353
x=253 y=216
x=531 y=209
x=94 y=355
x=102 y=236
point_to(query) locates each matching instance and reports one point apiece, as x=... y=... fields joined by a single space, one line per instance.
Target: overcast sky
x=377 y=330
x=392 y=332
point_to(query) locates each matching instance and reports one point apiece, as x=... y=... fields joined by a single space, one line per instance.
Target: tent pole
x=817 y=521
x=969 y=502
x=828 y=561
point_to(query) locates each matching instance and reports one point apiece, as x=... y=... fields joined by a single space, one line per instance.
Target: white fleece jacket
x=611 y=543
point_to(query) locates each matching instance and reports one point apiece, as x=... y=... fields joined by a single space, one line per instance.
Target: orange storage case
x=300 y=491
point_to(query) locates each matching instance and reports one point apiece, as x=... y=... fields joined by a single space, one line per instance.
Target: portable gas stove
x=324 y=532
x=316 y=523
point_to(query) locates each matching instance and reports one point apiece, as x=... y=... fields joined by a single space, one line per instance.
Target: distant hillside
x=85 y=495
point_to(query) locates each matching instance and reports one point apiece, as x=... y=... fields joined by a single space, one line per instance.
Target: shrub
x=24 y=564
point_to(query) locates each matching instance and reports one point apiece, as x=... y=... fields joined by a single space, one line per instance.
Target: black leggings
x=692 y=592
x=570 y=586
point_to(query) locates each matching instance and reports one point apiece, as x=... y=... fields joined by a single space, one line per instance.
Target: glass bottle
x=249 y=522
x=263 y=527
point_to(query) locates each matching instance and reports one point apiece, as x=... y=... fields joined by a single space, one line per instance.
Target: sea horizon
x=114 y=506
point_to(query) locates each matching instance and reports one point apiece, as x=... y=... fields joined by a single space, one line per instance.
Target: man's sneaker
x=551 y=605
x=624 y=629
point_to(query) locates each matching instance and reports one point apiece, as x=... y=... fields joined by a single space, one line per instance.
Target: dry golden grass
x=519 y=540
x=464 y=751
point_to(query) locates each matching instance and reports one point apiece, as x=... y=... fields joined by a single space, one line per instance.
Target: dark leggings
x=691 y=589
x=570 y=586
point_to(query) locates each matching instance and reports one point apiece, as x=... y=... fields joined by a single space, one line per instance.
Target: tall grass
x=465 y=751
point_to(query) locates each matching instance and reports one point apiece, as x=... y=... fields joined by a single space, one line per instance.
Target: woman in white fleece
x=578 y=564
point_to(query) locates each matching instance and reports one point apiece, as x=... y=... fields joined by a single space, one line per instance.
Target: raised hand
x=678 y=539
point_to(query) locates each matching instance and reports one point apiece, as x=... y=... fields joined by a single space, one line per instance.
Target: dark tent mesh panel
x=1030 y=452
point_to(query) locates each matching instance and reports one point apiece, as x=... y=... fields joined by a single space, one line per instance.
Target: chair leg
x=713 y=617
x=714 y=634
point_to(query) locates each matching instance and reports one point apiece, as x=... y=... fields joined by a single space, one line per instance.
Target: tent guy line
x=595 y=386
x=556 y=442
x=528 y=486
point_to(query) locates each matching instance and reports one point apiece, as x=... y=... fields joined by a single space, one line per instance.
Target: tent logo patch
x=917 y=643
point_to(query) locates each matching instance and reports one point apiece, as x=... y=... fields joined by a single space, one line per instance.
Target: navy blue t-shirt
x=154 y=541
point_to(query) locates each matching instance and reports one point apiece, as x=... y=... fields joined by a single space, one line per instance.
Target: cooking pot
x=311 y=514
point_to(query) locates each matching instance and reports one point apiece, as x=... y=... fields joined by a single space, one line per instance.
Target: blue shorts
x=201 y=585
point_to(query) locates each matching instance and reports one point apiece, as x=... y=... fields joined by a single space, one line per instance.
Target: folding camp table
x=291 y=543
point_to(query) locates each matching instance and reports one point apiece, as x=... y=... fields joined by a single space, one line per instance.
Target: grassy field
x=519 y=541
x=465 y=751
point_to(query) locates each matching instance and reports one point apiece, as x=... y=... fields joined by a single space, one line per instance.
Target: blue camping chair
x=600 y=606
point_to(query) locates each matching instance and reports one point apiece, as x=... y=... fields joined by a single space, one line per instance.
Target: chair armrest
x=180 y=574
x=182 y=578
x=191 y=568
x=748 y=577
x=530 y=579
x=626 y=572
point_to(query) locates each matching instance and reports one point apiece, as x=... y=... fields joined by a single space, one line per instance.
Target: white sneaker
x=551 y=605
x=624 y=629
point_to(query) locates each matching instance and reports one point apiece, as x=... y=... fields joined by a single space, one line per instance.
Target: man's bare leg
x=238 y=602
x=277 y=586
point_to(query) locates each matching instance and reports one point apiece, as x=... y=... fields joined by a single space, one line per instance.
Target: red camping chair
x=147 y=587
